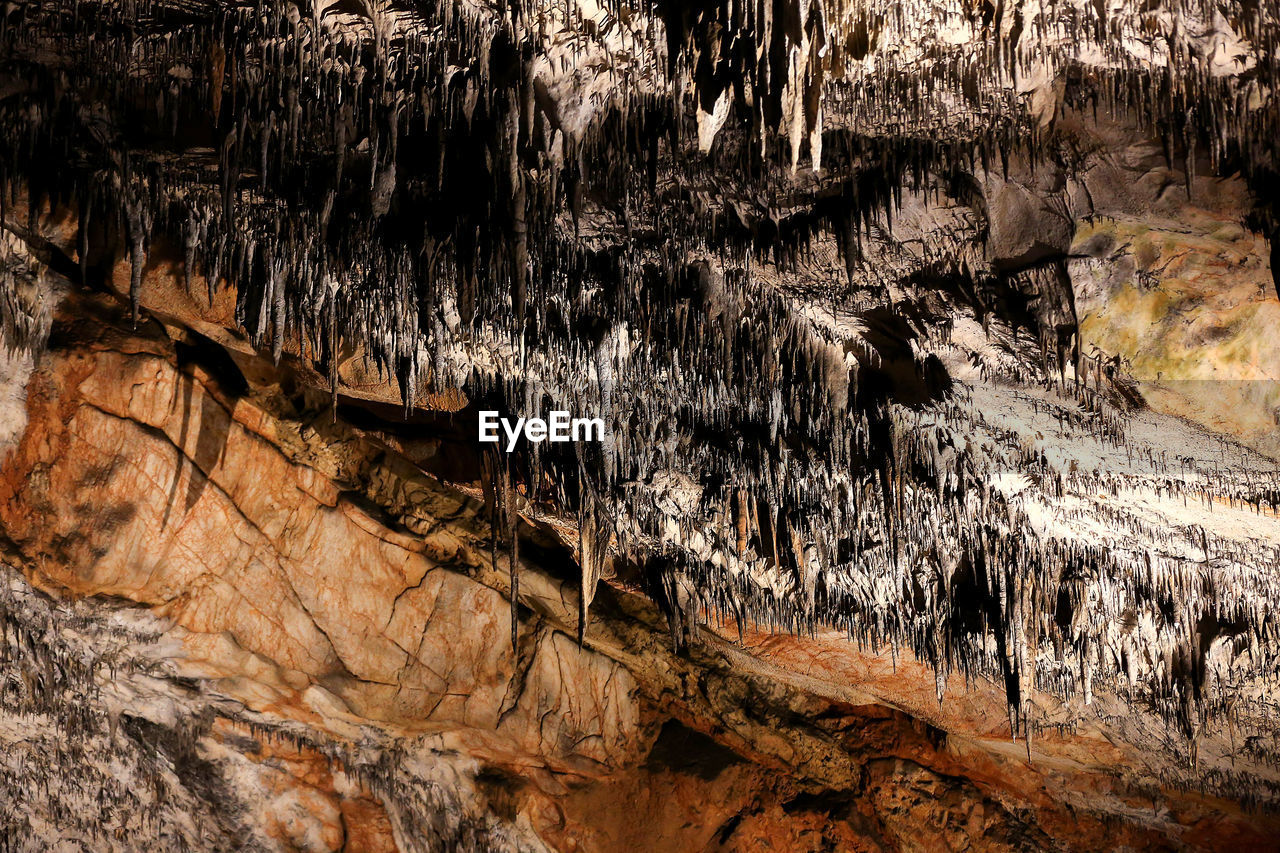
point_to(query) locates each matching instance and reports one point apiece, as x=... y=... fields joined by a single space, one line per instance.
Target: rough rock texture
x=893 y=540
x=311 y=629
x=1180 y=290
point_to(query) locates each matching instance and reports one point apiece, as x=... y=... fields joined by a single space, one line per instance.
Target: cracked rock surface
x=937 y=506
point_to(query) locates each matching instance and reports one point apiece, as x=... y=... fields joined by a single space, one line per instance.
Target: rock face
x=301 y=644
x=1174 y=285
x=897 y=538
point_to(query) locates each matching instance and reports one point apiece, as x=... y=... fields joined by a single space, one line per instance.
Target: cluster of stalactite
x=448 y=192
x=930 y=556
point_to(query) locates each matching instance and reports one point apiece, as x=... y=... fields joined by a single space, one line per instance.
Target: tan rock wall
x=140 y=480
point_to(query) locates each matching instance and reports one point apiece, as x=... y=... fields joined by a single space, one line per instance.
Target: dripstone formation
x=821 y=268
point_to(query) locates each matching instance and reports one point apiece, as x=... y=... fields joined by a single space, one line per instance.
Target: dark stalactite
x=409 y=189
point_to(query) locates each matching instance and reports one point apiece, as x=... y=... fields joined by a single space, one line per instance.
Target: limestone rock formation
x=937 y=506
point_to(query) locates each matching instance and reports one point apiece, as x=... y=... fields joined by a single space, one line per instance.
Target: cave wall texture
x=935 y=341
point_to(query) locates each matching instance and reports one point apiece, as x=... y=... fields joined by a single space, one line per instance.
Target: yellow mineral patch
x=1192 y=308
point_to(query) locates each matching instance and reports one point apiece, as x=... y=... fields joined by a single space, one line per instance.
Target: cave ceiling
x=804 y=257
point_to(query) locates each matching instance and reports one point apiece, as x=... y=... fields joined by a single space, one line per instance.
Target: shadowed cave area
x=936 y=506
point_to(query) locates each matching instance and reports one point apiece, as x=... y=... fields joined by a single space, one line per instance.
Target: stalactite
x=420 y=189
x=138 y=218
